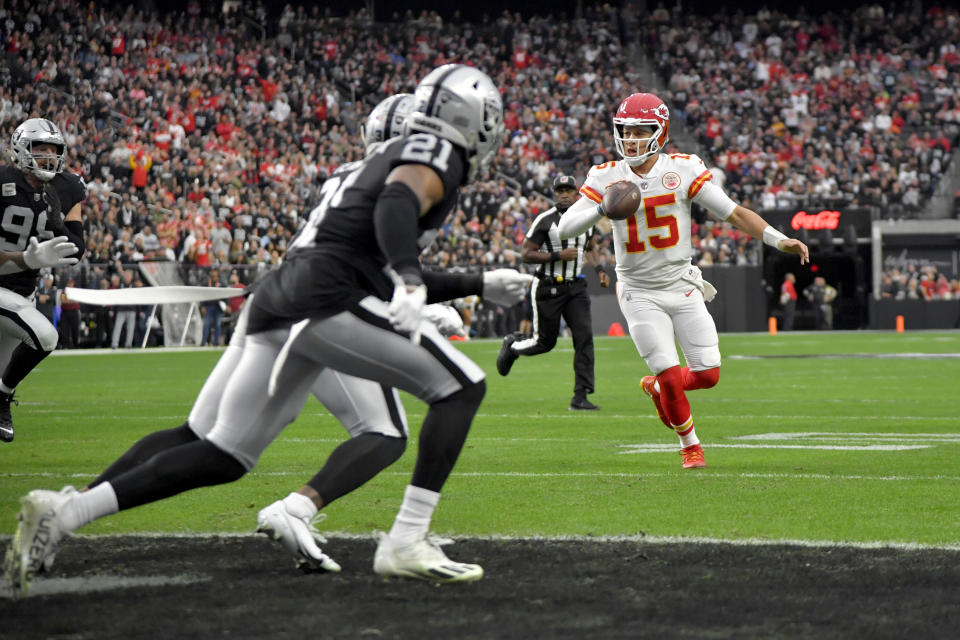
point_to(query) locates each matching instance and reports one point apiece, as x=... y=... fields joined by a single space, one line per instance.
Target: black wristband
x=554 y=256
x=599 y=269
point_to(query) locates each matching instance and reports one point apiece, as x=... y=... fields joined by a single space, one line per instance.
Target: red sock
x=699 y=379
x=672 y=398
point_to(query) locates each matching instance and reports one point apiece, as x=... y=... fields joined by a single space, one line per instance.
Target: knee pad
x=705 y=358
x=48 y=337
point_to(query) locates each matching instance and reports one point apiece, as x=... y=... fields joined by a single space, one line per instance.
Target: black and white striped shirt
x=545 y=234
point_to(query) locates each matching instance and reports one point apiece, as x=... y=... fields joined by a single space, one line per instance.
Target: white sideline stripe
x=844 y=356
x=830 y=435
x=552 y=474
x=679 y=540
x=657 y=448
x=714 y=416
x=566 y=415
x=89 y=584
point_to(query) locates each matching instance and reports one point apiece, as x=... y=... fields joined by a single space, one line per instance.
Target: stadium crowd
x=204 y=138
x=918 y=283
x=849 y=108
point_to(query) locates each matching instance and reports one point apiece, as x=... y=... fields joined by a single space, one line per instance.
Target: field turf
x=843 y=442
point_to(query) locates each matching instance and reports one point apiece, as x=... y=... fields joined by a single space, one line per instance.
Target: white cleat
x=47 y=565
x=423 y=560
x=297 y=534
x=37 y=538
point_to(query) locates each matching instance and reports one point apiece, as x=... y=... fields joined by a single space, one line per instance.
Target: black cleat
x=582 y=404
x=507 y=356
x=6 y=420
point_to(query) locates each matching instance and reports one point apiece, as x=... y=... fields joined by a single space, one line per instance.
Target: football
x=621 y=200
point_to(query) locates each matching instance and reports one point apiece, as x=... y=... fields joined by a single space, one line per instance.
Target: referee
x=559 y=290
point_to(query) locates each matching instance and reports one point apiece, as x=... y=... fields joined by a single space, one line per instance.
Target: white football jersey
x=653 y=246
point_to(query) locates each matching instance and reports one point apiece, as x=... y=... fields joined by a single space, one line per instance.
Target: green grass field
x=845 y=449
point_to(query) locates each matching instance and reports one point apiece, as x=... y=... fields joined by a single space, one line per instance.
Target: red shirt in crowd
x=714 y=127
x=788 y=289
x=330 y=49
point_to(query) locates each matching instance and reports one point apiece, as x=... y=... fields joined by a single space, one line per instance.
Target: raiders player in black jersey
x=370 y=412
x=35 y=193
x=327 y=307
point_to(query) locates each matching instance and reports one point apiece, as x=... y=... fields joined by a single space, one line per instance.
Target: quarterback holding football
x=660 y=291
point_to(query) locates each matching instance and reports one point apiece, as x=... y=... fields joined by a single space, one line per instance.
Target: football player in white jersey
x=661 y=293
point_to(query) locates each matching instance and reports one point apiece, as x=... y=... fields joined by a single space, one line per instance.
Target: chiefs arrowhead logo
x=662 y=112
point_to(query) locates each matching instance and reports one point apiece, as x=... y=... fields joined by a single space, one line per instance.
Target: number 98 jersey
x=26 y=212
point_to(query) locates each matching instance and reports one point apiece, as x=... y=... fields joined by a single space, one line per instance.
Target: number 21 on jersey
x=331 y=193
x=654 y=222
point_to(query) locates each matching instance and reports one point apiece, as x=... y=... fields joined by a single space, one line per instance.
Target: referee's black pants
x=568 y=299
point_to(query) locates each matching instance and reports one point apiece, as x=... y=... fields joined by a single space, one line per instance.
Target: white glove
x=505 y=286
x=50 y=253
x=406 y=307
x=446 y=319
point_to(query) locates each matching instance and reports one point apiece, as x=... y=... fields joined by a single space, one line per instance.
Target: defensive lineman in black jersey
x=356 y=331
x=38 y=199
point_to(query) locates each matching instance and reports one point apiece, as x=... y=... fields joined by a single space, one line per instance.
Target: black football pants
x=569 y=300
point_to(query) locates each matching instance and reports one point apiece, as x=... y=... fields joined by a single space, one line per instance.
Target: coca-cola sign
x=791 y=221
x=810 y=221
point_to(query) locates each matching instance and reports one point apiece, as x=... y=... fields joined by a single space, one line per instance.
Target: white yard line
x=558 y=474
x=637 y=538
x=657 y=448
x=846 y=356
x=566 y=415
x=88 y=584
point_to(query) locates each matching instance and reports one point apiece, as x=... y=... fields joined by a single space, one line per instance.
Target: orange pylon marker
x=772 y=325
x=899 y=324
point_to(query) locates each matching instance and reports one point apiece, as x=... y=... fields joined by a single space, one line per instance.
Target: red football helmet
x=642 y=109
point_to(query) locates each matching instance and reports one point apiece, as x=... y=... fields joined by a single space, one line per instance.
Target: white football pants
x=655 y=316
x=353 y=362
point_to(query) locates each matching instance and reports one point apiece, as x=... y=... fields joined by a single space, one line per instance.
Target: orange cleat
x=692 y=457
x=647 y=385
